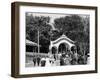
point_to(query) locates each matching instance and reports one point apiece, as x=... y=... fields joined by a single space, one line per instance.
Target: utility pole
x=38 y=42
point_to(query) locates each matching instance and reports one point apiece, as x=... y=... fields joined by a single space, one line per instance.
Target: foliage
x=35 y=24
x=73 y=26
x=76 y=28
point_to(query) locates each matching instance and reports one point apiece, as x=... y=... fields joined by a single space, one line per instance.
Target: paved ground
x=31 y=64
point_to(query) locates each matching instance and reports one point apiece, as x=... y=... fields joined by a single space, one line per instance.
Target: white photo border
x=41 y=70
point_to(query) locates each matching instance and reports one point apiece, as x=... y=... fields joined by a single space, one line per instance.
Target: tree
x=69 y=23
x=76 y=28
x=35 y=26
x=37 y=23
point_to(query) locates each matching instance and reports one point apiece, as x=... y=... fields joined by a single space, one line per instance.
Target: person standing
x=34 y=60
x=47 y=62
x=38 y=60
x=62 y=59
x=74 y=58
x=43 y=62
x=67 y=60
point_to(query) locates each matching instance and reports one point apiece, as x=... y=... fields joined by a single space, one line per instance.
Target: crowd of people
x=73 y=58
x=61 y=58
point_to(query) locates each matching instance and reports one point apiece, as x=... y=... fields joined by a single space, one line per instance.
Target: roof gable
x=63 y=37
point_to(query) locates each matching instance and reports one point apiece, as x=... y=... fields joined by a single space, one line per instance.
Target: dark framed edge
x=15 y=39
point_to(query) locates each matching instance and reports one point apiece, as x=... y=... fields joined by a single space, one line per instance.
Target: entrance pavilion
x=61 y=44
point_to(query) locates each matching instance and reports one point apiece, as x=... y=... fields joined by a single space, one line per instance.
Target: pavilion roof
x=28 y=42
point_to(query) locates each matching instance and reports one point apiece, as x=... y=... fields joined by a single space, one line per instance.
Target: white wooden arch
x=62 y=39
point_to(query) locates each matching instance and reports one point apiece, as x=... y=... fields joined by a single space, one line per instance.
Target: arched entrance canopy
x=63 y=39
x=61 y=45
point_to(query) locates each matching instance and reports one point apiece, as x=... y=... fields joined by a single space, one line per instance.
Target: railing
x=31 y=54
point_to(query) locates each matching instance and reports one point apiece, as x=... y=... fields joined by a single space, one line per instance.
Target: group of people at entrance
x=60 y=59
x=68 y=58
x=72 y=58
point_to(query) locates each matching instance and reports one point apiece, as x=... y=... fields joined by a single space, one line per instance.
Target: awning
x=28 y=42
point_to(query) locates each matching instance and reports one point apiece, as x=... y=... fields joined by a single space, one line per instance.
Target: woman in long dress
x=47 y=62
x=67 y=60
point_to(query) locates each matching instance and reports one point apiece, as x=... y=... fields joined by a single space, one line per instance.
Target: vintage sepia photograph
x=57 y=39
